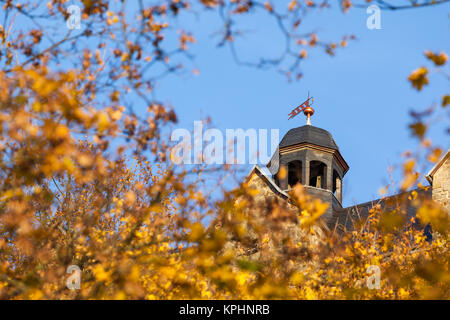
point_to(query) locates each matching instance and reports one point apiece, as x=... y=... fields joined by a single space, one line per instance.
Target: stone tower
x=439 y=179
x=311 y=157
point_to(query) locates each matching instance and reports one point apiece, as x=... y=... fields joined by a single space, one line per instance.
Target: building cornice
x=305 y=145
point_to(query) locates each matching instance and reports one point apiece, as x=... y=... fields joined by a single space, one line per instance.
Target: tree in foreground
x=88 y=182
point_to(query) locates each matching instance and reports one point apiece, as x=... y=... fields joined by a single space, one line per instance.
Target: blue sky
x=362 y=96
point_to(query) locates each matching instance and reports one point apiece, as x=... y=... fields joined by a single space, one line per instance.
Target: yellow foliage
x=419 y=78
x=89 y=183
x=438 y=59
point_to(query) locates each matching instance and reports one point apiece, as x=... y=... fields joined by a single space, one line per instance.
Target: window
x=294 y=173
x=317 y=174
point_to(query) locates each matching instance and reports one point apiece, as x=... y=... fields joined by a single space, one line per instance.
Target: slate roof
x=361 y=211
x=309 y=134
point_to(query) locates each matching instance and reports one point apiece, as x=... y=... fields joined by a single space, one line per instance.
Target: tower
x=310 y=156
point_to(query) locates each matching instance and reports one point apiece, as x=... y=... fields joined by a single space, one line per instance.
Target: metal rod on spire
x=308 y=119
x=308 y=111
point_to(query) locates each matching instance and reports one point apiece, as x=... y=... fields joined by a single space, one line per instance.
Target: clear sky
x=362 y=96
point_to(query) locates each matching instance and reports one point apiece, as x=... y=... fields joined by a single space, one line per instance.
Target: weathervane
x=308 y=111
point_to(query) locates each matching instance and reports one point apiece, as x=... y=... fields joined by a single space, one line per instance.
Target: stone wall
x=441 y=185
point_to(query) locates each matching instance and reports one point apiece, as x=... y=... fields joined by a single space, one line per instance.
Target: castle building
x=310 y=156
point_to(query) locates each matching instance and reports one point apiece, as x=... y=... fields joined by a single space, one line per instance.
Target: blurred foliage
x=86 y=181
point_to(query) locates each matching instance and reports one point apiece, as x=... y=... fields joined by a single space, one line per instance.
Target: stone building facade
x=439 y=178
x=310 y=156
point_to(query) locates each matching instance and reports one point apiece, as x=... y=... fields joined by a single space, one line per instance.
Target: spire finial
x=308 y=111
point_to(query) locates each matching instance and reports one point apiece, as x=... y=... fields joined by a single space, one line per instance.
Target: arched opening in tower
x=317 y=174
x=294 y=173
x=337 y=186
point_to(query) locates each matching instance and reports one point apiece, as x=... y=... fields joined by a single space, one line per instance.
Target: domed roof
x=309 y=134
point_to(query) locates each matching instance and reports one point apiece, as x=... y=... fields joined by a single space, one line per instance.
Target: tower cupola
x=311 y=157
